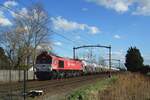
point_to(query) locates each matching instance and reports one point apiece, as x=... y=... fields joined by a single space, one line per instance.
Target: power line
x=63 y=41
x=83 y=39
x=11 y=10
x=62 y=47
x=55 y=32
x=70 y=40
x=22 y=3
x=75 y=42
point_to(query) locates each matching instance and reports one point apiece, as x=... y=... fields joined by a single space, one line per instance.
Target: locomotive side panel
x=73 y=65
x=66 y=64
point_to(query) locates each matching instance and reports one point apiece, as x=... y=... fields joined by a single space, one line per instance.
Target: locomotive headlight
x=50 y=68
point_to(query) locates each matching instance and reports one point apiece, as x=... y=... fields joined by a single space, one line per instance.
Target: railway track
x=61 y=83
x=36 y=83
x=51 y=86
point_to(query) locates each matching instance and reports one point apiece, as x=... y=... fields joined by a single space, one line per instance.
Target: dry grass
x=125 y=86
x=91 y=91
x=128 y=87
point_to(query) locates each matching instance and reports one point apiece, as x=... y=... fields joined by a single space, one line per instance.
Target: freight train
x=50 y=66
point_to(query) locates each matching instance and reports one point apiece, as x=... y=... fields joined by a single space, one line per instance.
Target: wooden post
x=74 y=56
x=110 y=61
x=24 y=85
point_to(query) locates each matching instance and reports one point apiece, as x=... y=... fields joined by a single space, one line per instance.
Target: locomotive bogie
x=43 y=75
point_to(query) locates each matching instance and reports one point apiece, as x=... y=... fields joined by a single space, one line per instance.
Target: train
x=49 y=66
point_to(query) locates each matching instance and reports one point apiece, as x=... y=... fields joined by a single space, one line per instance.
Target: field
x=127 y=86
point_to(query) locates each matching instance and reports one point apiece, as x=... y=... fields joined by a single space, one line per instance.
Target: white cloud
x=117 y=36
x=143 y=8
x=58 y=43
x=3 y=20
x=44 y=46
x=24 y=11
x=21 y=13
x=84 y=9
x=60 y=23
x=93 y=29
x=10 y=3
x=121 y=7
x=117 y=5
x=78 y=37
x=139 y=7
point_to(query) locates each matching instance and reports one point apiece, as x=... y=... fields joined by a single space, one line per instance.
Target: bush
x=145 y=69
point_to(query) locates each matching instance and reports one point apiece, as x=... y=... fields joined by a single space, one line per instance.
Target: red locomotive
x=51 y=66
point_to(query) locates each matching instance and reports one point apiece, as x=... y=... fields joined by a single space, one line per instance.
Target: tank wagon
x=51 y=66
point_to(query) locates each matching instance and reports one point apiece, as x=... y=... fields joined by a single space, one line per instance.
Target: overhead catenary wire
x=11 y=10
x=62 y=47
x=86 y=40
x=61 y=35
x=63 y=42
x=73 y=41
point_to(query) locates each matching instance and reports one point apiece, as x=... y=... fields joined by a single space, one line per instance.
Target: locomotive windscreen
x=44 y=58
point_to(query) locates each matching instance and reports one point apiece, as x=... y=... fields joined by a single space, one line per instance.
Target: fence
x=15 y=75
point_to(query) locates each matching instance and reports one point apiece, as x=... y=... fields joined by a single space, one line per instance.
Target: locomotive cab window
x=44 y=60
x=61 y=64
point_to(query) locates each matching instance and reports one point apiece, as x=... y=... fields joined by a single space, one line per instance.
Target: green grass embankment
x=148 y=73
x=90 y=92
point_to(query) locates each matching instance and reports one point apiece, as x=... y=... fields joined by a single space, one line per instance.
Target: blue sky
x=119 y=23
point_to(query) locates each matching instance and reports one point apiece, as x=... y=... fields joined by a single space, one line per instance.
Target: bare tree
x=31 y=29
x=10 y=43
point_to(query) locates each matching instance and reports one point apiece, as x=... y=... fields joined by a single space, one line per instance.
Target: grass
x=90 y=92
x=148 y=73
x=129 y=86
x=126 y=86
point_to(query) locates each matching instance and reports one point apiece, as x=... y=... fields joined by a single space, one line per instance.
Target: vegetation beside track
x=90 y=92
x=128 y=86
x=148 y=74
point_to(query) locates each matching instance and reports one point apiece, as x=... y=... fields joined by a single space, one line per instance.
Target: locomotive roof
x=65 y=57
x=51 y=54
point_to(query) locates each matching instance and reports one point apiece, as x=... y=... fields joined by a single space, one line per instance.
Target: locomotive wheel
x=59 y=75
x=54 y=75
